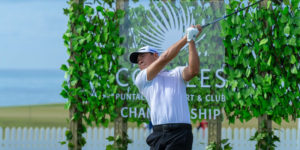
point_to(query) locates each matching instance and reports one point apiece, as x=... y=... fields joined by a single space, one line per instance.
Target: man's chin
x=142 y=67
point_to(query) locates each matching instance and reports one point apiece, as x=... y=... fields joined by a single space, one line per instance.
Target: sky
x=31 y=34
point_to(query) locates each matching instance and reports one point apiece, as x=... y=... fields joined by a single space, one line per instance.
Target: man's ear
x=156 y=55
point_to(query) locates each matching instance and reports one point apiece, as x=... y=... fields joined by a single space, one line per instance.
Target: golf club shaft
x=217 y=20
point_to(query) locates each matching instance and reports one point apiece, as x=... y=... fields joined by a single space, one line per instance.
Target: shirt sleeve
x=141 y=80
x=179 y=71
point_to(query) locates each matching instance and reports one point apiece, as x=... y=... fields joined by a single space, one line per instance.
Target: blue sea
x=30 y=87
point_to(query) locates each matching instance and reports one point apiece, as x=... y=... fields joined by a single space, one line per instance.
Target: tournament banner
x=159 y=25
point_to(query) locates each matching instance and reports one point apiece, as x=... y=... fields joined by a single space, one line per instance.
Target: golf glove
x=191 y=33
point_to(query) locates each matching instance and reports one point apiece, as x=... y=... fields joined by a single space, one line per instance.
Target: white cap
x=146 y=49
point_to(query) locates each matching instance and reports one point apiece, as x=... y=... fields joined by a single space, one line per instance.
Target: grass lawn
x=54 y=115
x=34 y=116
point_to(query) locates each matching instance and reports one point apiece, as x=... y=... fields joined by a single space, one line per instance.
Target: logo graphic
x=166 y=25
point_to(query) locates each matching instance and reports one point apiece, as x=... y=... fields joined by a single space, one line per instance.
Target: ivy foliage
x=121 y=143
x=94 y=46
x=225 y=145
x=265 y=140
x=262 y=61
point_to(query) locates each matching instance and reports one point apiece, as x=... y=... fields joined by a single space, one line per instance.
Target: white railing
x=49 y=138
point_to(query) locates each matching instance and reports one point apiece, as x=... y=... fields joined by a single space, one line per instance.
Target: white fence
x=49 y=138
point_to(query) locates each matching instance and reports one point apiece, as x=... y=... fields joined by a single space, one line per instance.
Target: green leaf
x=68 y=105
x=297 y=30
x=268 y=4
x=294 y=70
x=71 y=145
x=92 y=74
x=263 y=41
x=66 y=75
x=284 y=19
x=69 y=135
x=269 y=61
x=80 y=107
x=224 y=141
x=285 y=11
x=82 y=141
x=278 y=120
x=293 y=59
x=110 y=14
x=81 y=41
x=64 y=94
x=62 y=142
x=64 y=67
x=111 y=78
x=292 y=41
x=105 y=36
x=255 y=112
x=65 y=85
x=68 y=34
x=274 y=102
x=110 y=138
x=234 y=84
x=99 y=8
x=227 y=147
x=73 y=83
x=241 y=102
x=248 y=72
x=109 y=147
x=120 y=13
x=89 y=10
x=120 y=51
x=66 y=11
x=287 y=30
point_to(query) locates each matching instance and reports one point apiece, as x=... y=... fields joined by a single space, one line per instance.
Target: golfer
x=165 y=92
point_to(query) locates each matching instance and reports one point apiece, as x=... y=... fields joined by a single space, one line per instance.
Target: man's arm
x=165 y=58
x=194 y=63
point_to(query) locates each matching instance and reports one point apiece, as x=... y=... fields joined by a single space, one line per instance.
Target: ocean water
x=30 y=87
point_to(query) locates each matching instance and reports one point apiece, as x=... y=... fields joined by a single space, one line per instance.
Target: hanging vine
x=94 y=46
x=262 y=63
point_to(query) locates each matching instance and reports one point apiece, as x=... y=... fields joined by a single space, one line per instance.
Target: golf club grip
x=205 y=25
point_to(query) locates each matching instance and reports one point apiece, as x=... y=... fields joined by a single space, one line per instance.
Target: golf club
x=278 y=2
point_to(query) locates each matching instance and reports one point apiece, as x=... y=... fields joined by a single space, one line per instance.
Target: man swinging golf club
x=165 y=92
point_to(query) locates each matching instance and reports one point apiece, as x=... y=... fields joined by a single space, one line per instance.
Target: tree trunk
x=215 y=126
x=215 y=130
x=120 y=123
x=120 y=129
x=75 y=125
x=264 y=124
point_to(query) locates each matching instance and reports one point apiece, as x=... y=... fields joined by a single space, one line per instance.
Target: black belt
x=172 y=126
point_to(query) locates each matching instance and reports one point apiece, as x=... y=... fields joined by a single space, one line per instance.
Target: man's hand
x=198 y=26
x=193 y=68
x=193 y=32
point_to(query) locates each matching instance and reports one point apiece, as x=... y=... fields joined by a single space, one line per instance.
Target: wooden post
x=215 y=126
x=75 y=125
x=120 y=123
x=215 y=130
x=264 y=123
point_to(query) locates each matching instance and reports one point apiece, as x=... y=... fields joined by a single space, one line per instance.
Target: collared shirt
x=166 y=96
